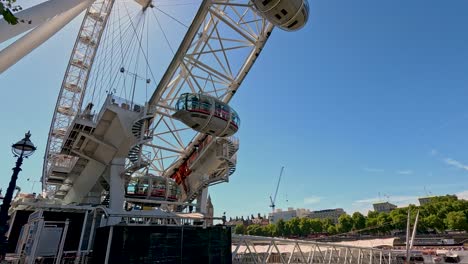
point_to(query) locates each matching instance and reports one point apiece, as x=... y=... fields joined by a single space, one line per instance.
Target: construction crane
x=273 y=200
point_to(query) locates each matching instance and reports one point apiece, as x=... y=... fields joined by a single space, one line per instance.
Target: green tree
x=239 y=229
x=305 y=226
x=399 y=217
x=293 y=226
x=331 y=230
x=456 y=221
x=316 y=225
x=326 y=223
x=281 y=228
x=7 y=7
x=372 y=214
x=433 y=222
x=384 y=222
x=359 y=221
x=254 y=230
x=345 y=223
x=270 y=230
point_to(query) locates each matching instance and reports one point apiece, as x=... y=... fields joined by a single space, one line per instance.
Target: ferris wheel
x=162 y=72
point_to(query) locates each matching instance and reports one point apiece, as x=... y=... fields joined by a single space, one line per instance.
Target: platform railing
x=119 y=102
x=254 y=249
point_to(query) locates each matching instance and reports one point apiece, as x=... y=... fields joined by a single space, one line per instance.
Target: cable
x=172 y=17
x=164 y=34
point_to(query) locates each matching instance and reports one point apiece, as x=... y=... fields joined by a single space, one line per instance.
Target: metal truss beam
x=220 y=47
x=73 y=87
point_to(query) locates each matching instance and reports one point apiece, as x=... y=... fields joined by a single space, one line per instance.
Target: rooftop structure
x=385 y=207
x=428 y=199
x=250 y=220
x=425 y=200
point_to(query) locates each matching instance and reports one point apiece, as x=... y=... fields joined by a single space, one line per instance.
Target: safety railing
x=254 y=249
x=119 y=102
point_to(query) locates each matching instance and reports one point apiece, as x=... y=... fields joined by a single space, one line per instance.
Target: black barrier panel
x=21 y=218
x=100 y=245
x=164 y=244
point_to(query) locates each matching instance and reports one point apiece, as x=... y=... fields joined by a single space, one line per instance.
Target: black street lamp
x=22 y=149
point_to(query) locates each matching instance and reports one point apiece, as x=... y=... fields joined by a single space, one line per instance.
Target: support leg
x=116 y=201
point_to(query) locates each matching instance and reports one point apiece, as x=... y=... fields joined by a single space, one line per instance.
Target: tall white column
x=23 y=46
x=117 y=191
x=37 y=15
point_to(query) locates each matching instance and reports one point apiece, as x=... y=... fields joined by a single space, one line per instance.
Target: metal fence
x=252 y=249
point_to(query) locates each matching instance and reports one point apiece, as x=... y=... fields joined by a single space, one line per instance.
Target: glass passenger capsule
x=153 y=187
x=289 y=15
x=207 y=115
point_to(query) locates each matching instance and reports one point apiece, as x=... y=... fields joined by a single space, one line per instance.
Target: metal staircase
x=135 y=154
x=228 y=155
x=225 y=153
x=106 y=199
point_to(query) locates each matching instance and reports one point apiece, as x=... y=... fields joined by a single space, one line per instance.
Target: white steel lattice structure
x=74 y=83
x=216 y=54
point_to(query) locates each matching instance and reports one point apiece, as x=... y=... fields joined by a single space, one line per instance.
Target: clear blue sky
x=369 y=98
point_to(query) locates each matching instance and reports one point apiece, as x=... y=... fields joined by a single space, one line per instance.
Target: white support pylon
x=35 y=16
x=117 y=189
x=23 y=46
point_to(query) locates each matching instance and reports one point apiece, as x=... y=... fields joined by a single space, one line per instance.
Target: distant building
x=428 y=199
x=425 y=200
x=209 y=210
x=385 y=207
x=300 y=212
x=332 y=214
x=259 y=220
x=287 y=215
x=250 y=220
x=236 y=221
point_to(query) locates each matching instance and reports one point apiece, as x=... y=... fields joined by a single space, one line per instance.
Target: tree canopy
x=7 y=8
x=440 y=214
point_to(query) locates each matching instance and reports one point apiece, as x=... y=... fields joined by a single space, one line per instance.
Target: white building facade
x=287 y=215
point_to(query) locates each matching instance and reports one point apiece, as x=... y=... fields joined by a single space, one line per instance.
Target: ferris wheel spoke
x=174 y=149
x=171 y=146
x=176 y=130
x=175 y=19
x=163 y=32
x=167 y=157
x=158 y=159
